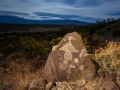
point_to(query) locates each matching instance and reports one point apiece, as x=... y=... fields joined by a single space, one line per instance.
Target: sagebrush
x=108 y=59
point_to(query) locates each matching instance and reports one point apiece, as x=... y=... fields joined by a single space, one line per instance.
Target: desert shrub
x=108 y=58
x=85 y=41
x=30 y=46
x=55 y=41
x=49 y=36
x=96 y=37
x=116 y=32
x=16 y=55
x=28 y=43
x=96 y=41
x=84 y=34
x=17 y=75
x=18 y=80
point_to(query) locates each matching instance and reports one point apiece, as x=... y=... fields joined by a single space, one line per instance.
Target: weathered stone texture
x=69 y=61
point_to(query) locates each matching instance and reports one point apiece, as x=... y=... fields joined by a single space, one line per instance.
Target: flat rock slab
x=69 y=61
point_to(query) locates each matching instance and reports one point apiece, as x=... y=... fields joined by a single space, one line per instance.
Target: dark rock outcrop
x=69 y=61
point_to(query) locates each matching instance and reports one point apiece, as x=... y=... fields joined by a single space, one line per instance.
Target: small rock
x=110 y=85
x=89 y=87
x=80 y=83
x=63 y=86
x=49 y=86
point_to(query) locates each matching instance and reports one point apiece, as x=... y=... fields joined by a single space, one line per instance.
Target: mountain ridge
x=19 y=20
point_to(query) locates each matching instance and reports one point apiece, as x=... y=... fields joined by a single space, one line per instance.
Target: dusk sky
x=83 y=10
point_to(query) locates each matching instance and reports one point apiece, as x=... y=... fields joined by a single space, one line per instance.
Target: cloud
x=56 y=15
x=13 y=13
x=114 y=14
x=27 y=16
x=64 y=17
x=87 y=10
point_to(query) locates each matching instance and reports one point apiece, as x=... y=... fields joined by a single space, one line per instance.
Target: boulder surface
x=69 y=61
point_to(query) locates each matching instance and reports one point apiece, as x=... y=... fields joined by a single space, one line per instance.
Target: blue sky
x=84 y=10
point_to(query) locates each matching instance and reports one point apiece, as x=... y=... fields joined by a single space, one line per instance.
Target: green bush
x=16 y=55
x=116 y=32
x=53 y=42
x=85 y=41
x=30 y=46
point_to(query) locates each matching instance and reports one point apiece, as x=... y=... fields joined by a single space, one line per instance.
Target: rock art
x=69 y=61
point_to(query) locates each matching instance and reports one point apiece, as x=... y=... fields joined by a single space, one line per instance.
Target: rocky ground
x=69 y=67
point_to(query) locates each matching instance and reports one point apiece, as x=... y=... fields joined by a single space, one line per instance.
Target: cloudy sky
x=85 y=10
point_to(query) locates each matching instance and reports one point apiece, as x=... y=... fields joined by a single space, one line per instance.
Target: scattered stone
x=69 y=61
x=62 y=86
x=89 y=87
x=110 y=85
x=49 y=86
x=80 y=83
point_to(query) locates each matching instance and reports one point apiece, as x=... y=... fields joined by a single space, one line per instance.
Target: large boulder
x=69 y=61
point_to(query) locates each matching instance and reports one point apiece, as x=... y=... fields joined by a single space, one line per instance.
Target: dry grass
x=108 y=58
x=18 y=75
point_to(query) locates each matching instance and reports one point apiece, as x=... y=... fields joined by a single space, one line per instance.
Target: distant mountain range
x=18 y=20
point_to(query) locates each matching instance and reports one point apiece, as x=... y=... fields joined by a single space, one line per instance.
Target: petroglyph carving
x=83 y=53
x=81 y=67
x=72 y=66
x=65 y=63
x=64 y=39
x=68 y=56
x=68 y=48
x=76 y=60
x=54 y=48
x=71 y=38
